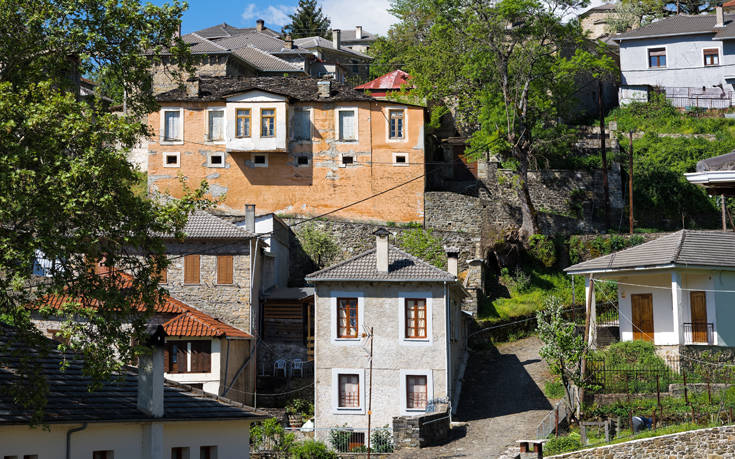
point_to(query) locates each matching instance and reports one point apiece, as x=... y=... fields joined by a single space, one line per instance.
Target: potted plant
x=299 y=410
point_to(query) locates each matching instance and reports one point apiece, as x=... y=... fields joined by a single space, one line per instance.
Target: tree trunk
x=529 y=223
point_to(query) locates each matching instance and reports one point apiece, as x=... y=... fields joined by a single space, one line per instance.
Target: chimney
x=259 y=25
x=336 y=38
x=250 y=217
x=178 y=31
x=381 y=250
x=324 y=88
x=452 y=260
x=150 y=376
x=192 y=87
x=289 y=42
x=720 y=22
x=358 y=32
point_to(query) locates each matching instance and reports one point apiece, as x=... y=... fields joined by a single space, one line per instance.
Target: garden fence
x=343 y=440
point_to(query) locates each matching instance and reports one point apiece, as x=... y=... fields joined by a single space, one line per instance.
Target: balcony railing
x=699 y=333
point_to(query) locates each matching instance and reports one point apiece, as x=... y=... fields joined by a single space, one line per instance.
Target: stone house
x=688 y=58
x=419 y=337
x=595 y=20
x=675 y=291
x=293 y=146
x=358 y=39
x=138 y=415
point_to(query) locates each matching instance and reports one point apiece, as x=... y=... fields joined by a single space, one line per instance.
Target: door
x=698 y=304
x=642 y=317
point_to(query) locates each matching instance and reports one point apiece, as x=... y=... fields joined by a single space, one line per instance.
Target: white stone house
x=139 y=415
x=677 y=290
x=690 y=58
x=420 y=337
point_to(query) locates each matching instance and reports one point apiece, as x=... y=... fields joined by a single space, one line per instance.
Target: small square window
x=259 y=159
x=180 y=453
x=109 y=454
x=208 y=452
x=347 y=160
x=216 y=159
x=400 y=159
x=302 y=161
x=171 y=159
x=711 y=57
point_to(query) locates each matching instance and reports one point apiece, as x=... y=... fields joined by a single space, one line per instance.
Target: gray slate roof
x=203 y=225
x=200 y=45
x=350 y=35
x=69 y=399
x=401 y=267
x=683 y=25
x=225 y=30
x=683 y=248
x=321 y=42
x=295 y=88
x=724 y=162
x=263 y=61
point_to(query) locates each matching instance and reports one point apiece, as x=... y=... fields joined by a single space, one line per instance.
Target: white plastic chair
x=297 y=365
x=280 y=365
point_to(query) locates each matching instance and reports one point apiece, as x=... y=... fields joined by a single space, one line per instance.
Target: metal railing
x=343 y=440
x=709 y=98
x=561 y=413
x=699 y=333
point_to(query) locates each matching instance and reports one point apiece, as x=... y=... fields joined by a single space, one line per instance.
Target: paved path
x=502 y=401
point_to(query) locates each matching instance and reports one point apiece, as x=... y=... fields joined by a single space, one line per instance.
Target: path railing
x=561 y=413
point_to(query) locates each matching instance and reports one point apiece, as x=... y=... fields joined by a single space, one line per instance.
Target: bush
x=520 y=281
x=554 y=389
x=381 y=441
x=340 y=439
x=423 y=244
x=300 y=406
x=639 y=355
x=270 y=435
x=542 y=249
x=561 y=445
x=318 y=245
x=311 y=449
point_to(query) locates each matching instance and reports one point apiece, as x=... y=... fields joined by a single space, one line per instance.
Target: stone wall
x=422 y=430
x=713 y=443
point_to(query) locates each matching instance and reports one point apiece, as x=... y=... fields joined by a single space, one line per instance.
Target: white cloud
x=272 y=15
x=372 y=15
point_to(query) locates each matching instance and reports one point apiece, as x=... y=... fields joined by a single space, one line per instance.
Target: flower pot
x=295 y=420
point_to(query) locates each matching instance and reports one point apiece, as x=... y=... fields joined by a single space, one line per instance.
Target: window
x=657 y=57
x=356 y=441
x=400 y=159
x=301 y=124
x=188 y=356
x=302 y=160
x=395 y=124
x=347 y=125
x=711 y=57
x=216 y=159
x=416 y=392
x=171 y=159
x=347 y=325
x=349 y=391
x=415 y=318
x=103 y=455
x=215 y=125
x=191 y=269
x=346 y=160
x=172 y=125
x=224 y=269
x=242 y=122
x=179 y=453
x=259 y=159
x=267 y=122
x=208 y=452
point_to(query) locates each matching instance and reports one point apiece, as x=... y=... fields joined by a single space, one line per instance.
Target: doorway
x=642 y=306
x=698 y=305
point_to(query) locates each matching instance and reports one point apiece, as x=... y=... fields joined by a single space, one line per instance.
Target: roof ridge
x=415 y=258
x=679 y=247
x=265 y=53
x=341 y=263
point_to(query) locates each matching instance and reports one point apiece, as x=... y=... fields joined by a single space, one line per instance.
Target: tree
x=563 y=347
x=507 y=72
x=635 y=13
x=307 y=21
x=318 y=245
x=65 y=182
x=423 y=244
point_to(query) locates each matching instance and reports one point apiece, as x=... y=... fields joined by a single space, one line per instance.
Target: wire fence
x=343 y=440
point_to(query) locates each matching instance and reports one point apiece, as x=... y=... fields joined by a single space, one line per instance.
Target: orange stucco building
x=292 y=146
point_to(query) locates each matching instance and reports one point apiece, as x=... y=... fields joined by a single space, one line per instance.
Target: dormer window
x=268 y=122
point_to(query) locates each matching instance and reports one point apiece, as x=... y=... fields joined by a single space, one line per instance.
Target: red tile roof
x=393 y=80
x=730 y=3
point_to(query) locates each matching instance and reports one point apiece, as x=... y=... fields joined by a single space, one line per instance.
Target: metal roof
x=714 y=249
x=391 y=80
x=682 y=25
x=401 y=267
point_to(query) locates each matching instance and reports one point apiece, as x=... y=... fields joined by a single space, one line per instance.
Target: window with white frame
x=215 y=125
x=416 y=392
x=216 y=159
x=396 y=123
x=400 y=159
x=657 y=57
x=346 y=159
x=347 y=121
x=348 y=387
x=301 y=124
x=259 y=159
x=415 y=309
x=172 y=159
x=172 y=125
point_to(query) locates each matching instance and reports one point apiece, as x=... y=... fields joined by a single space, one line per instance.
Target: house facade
x=676 y=290
x=291 y=146
x=419 y=337
x=688 y=58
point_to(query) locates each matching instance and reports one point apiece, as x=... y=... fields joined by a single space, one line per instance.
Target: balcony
x=699 y=333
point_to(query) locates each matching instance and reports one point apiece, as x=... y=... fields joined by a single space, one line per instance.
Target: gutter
x=68 y=438
x=376 y=280
x=644 y=37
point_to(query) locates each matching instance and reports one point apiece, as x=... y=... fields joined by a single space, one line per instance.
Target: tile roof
x=263 y=61
x=295 y=88
x=259 y=40
x=603 y=7
x=401 y=267
x=70 y=400
x=350 y=35
x=203 y=225
x=724 y=162
x=321 y=42
x=391 y=80
x=683 y=248
x=682 y=25
x=225 y=30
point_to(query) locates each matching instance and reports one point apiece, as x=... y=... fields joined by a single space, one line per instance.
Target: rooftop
x=683 y=24
x=392 y=80
x=203 y=225
x=684 y=248
x=321 y=42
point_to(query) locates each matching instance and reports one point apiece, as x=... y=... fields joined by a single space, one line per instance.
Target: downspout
x=448 y=335
x=68 y=438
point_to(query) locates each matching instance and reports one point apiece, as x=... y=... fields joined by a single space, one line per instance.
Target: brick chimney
x=720 y=17
x=381 y=250
x=452 y=260
x=358 y=32
x=336 y=38
x=324 y=88
x=288 y=42
x=250 y=217
x=150 y=376
x=259 y=25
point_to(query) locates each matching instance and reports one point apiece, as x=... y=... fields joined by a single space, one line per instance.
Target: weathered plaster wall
x=324 y=185
x=210 y=66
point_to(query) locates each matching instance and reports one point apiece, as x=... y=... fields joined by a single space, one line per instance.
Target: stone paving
x=502 y=401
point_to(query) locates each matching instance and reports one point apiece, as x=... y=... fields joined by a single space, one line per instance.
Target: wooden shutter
x=201 y=356
x=224 y=269
x=191 y=269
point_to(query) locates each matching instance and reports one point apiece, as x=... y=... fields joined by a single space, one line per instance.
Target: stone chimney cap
x=381 y=232
x=452 y=251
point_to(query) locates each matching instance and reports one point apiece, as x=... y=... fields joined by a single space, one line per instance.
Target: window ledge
x=171 y=142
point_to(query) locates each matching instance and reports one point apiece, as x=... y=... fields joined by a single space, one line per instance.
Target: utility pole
x=603 y=154
x=370 y=392
x=630 y=181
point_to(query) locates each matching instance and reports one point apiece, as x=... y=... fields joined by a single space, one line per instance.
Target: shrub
x=520 y=281
x=561 y=445
x=311 y=449
x=318 y=245
x=639 y=355
x=554 y=389
x=340 y=439
x=270 y=435
x=423 y=244
x=300 y=406
x=381 y=441
x=542 y=249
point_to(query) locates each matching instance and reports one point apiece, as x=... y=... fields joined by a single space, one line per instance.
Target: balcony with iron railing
x=699 y=333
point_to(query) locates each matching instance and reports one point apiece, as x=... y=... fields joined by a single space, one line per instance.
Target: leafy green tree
x=423 y=244
x=308 y=21
x=318 y=245
x=65 y=182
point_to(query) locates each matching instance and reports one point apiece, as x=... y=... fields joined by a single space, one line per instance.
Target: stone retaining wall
x=713 y=443
x=422 y=430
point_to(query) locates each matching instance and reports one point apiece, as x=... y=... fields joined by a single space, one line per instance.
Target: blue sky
x=345 y=14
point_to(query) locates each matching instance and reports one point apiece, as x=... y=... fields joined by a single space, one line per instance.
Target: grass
x=554 y=389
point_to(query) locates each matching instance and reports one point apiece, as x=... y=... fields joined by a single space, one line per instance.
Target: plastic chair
x=280 y=365
x=297 y=365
